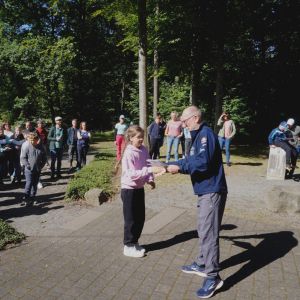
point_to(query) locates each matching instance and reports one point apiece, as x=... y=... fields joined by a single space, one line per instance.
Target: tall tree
x=142 y=24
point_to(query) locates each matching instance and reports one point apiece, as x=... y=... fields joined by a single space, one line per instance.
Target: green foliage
x=173 y=97
x=240 y=114
x=97 y=174
x=9 y=235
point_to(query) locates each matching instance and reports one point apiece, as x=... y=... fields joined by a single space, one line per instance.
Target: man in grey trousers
x=205 y=166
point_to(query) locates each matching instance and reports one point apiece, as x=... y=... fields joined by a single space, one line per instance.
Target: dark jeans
x=3 y=164
x=32 y=179
x=71 y=151
x=290 y=152
x=182 y=143
x=82 y=152
x=154 y=148
x=17 y=166
x=56 y=155
x=134 y=214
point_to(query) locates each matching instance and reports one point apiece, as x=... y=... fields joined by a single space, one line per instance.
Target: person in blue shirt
x=278 y=138
x=205 y=166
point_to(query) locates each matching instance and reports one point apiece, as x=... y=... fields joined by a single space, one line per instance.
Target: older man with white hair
x=205 y=166
x=295 y=133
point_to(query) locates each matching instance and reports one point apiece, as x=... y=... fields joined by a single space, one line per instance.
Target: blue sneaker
x=194 y=268
x=210 y=285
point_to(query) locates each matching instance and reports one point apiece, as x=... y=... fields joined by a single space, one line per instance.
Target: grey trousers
x=210 y=212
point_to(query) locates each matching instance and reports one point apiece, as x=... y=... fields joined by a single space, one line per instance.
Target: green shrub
x=97 y=174
x=9 y=235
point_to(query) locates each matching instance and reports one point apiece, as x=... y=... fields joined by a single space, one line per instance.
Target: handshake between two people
x=159 y=168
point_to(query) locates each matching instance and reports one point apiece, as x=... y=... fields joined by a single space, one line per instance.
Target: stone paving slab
x=260 y=252
x=259 y=261
x=160 y=220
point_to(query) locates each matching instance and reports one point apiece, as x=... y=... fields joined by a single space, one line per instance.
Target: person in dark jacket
x=205 y=166
x=17 y=139
x=33 y=158
x=278 y=138
x=72 y=144
x=57 y=138
x=156 y=133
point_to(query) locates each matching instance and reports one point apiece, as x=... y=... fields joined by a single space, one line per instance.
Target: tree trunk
x=156 y=68
x=219 y=91
x=196 y=53
x=123 y=93
x=142 y=65
x=155 y=84
x=220 y=33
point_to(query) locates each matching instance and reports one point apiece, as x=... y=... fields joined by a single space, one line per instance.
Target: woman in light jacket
x=226 y=134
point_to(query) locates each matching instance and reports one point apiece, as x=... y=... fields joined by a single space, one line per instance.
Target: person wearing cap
x=278 y=138
x=120 y=129
x=294 y=133
x=57 y=138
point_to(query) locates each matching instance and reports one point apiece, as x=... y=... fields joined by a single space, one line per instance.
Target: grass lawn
x=99 y=173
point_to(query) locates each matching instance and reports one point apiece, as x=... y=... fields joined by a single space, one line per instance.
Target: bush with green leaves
x=9 y=235
x=97 y=174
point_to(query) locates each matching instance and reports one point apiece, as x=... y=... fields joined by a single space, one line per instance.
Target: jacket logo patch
x=203 y=140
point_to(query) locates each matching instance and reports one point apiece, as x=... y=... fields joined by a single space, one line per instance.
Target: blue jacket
x=72 y=139
x=156 y=131
x=276 y=135
x=204 y=163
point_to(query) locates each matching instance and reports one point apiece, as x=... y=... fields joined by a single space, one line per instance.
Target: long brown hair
x=80 y=126
x=133 y=131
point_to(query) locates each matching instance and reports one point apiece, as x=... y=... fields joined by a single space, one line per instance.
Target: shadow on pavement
x=180 y=238
x=50 y=198
x=17 y=212
x=272 y=247
x=15 y=198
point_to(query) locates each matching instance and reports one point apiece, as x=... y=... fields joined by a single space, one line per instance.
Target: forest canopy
x=80 y=58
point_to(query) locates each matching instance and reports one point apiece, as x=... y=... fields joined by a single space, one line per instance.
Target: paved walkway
x=79 y=255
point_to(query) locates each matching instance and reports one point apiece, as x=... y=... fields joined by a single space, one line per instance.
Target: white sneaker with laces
x=133 y=251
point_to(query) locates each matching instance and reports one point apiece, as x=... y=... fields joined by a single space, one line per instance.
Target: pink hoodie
x=135 y=172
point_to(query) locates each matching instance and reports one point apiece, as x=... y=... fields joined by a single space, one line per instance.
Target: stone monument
x=276 y=164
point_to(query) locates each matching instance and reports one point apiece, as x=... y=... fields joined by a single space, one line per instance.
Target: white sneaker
x=133 y=251
x=138 y=247
x=40 y=185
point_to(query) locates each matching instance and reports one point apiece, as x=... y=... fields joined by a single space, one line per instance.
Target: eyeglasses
x=184 y=121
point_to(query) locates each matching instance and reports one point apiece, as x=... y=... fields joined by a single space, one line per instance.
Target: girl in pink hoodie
x=135 y=174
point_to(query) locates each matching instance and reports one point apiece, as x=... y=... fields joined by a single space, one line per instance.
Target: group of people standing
x=176 y=134
x=27 y=150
